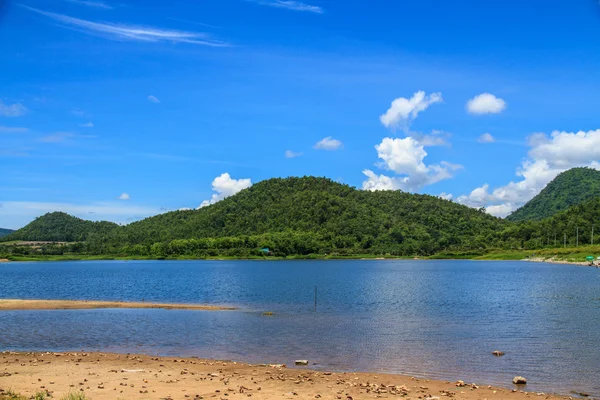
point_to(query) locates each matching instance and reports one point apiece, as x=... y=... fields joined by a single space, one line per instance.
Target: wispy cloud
x=12 y=129
x=153 y=99
x=290 y=5
x=87 y=125
x=124 y=32
x=292 y=154
x=58 y=137
x=12 y=110
x=62 y=137
x=94 y=4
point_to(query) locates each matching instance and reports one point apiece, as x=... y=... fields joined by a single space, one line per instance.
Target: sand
x=113 y=376
x=10 y=304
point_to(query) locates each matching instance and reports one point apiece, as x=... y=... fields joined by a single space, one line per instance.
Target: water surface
x=440 y=319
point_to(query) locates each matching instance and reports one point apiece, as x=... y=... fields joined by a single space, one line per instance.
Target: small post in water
x=315 y=299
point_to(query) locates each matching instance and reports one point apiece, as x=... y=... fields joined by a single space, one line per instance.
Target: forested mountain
x=5 y=232
x=303 y=216
x=61 y=227
x=570 y=188
x=571 y=226
x=290 y=216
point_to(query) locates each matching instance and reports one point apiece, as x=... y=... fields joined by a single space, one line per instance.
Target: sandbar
x=15 y=304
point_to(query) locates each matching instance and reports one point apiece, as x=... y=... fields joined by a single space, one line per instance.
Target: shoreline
x=22 y=305
x=102 y=376
x=549 y=260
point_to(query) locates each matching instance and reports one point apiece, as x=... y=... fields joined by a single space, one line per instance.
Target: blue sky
x=123 y=109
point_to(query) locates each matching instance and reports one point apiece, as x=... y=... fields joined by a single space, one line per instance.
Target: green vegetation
x=40 y=396
x=74 y=396
x=293 y=216
x=307 y=218
x=11 y=395
x=568 y=189
x=61 y=227
x=5 y=232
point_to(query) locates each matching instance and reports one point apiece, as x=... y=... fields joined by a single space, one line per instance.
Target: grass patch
x=11 y=395
x=74 y=396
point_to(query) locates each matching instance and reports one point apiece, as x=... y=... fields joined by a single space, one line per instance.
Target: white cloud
x=406 y=157
x=486 y=138
x=87 y=125
x=403 y=111
x=225 y=186
x=153 y=99
x=291 y=5
x=486 y=103
x=94 y=4
x=12 y=110
x=501 y=210
x=124 y=196
x=122 y=32
x=291 y=154
x=12 y=129
x=548 y=157
x=328 y=143
x=380 y=182
x=435 y=138
x=446 y=196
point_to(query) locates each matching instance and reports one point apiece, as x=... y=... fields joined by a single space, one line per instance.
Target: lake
x=437 y=319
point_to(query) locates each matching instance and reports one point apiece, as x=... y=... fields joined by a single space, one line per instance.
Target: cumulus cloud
x=290 y=5
x=12 y=110
x=486 y=138
x=153 y=99
x=405 y=157
x=124 y=196
x=291 y=154
x=328 y=143
x=485 y=103
x=403 y=111
x=123 y=32
x=548 y=157
x=446 y=196
x=225 y=186
x=376 y=182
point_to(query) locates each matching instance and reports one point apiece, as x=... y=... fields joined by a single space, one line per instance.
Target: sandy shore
x=9 y=304
x=552 y=260
x=116 y=376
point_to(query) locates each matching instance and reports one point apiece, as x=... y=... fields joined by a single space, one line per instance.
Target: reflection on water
x=440 y=319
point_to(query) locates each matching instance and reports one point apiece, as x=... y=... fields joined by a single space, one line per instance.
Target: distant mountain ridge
x=301 y=215
x=61 y=227
x=570 y=188
x=310 y=215
x=5 y=232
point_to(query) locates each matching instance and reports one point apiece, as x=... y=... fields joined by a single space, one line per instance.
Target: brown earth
x=102 y=376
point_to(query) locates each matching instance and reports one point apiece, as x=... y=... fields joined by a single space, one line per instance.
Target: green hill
x=568 y=189
x=61 y=227
x=566 y=226
x=293 y=216
x=5 y=232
